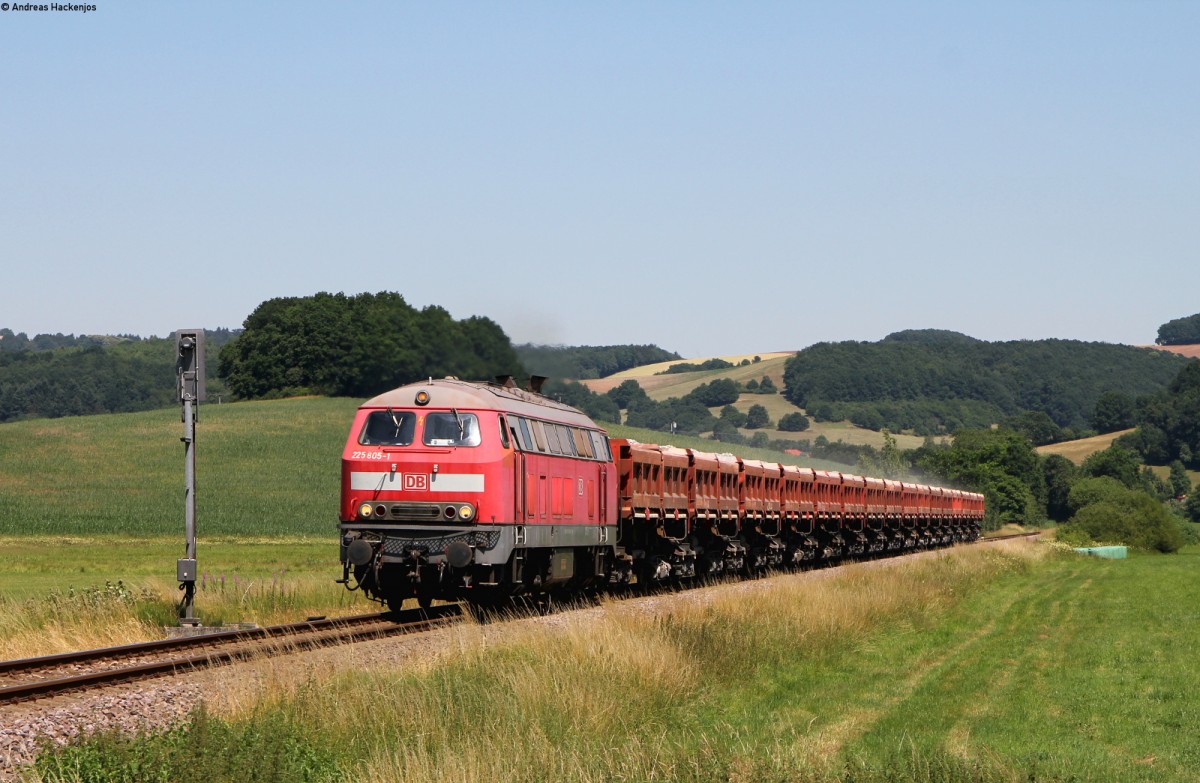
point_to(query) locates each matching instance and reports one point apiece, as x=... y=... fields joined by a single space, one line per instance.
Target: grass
x=263 y=468
x=1010 y=664
x=61 y=594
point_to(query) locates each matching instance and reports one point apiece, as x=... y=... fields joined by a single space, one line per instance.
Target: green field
x=1027 y=664
x=263 y=469
x=93 y=499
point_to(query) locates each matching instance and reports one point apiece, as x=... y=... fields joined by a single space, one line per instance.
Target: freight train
x=458 y=490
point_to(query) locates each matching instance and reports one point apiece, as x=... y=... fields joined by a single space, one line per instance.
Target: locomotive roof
x=453 y=393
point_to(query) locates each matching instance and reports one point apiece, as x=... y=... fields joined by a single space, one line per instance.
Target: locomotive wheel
x=395 y=602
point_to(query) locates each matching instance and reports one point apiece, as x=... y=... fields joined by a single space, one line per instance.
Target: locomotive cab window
x=503 y=432
x=389 y=428
x=451 y=429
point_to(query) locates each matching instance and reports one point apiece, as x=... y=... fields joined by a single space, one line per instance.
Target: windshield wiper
x=462 y=431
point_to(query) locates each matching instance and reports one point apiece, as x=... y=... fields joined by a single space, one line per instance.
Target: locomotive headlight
x=364 y=511
x=422 y=397
x=466 y=512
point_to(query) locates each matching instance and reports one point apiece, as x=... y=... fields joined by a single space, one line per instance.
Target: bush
x=733 y=416
x=1133 y=518
x=793 y=422
x=757 y=418
x=1073 y=535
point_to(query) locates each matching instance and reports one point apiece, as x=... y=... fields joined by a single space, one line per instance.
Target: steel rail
x=224 y=647
x=238 y=645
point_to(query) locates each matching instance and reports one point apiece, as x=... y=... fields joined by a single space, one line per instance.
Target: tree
x=1114 y=411
x=887 y=463
x=586 y=361
x=1169 y=422
x=722 y=391
x=727 y=433
x=1117 y=462
x=1037 y=426
x=688 y=415
x=1060 y=474
x=767 y=386
x=793 y=422
x=1181 y=482
x=760 y=440
x=358 y=346
x=1181 y=331
x=1192 y=507
x=647 y=414
x=625 y=394
x=598 y=406
x=757 y=418
x=733 y=416
x=1087 y=491
x=999 y=463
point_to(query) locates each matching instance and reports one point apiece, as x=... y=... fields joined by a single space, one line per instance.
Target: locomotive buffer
x=189 y=371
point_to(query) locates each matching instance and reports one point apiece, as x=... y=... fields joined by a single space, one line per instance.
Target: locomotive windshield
x=451 y=429
x=389 y=428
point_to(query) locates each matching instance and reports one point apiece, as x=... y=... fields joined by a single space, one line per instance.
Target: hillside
x=929 y=381
x=662 y=387
x=1079 y=450
x=267 y=468
x=1189 y=351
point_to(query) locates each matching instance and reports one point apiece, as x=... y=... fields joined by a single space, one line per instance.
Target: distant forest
x=587 y=361
x=330 y=344
x=932 y=382
x=48 y=376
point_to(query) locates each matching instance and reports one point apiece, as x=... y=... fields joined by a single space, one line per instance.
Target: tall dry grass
x=115 y=613
x=614 y=693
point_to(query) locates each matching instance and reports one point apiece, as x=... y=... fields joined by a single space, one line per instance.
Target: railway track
x=52 y=675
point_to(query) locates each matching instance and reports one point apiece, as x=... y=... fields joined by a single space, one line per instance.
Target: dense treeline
x=1168 y=423
x=585 y=362
x=19 y=341
x=1110 y=499
x=94 y=374
x=358 y=346
x=1181 y=331
x=932 y=382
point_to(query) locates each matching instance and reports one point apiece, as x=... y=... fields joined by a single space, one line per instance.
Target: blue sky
x=709 y=177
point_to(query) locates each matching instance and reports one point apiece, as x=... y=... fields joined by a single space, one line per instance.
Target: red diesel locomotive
x=453 y=490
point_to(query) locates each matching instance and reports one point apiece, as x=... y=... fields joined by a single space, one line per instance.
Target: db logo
x=416 y=482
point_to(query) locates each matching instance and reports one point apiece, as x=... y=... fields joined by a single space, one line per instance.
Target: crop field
x=1079 y=450
x=263 y=468
x=1019 y=664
